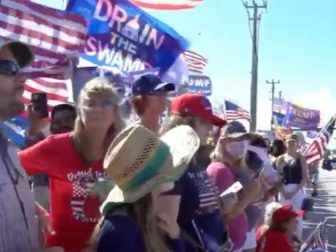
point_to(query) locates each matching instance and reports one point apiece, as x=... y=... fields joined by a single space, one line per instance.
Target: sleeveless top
x=292 y=172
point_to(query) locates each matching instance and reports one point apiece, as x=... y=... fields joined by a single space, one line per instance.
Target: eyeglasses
x=105 y=104
x=9 y=67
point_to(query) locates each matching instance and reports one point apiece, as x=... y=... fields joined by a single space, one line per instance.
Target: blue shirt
x=199 y=214
x=120 y=233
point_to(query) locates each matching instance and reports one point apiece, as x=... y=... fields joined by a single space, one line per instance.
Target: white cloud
x=322 y=100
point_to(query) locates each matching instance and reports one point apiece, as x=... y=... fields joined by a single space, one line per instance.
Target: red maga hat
x=190 y=104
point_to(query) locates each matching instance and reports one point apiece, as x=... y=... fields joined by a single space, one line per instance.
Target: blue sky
x=297 y=46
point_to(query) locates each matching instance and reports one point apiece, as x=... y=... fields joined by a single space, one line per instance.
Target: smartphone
x=39 y=102
x=235 y=188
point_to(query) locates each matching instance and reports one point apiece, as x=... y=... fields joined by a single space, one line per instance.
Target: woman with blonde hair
x=74 y=161
x=228 y=167
x=270 y=209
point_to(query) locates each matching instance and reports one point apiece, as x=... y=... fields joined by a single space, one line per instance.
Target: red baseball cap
x=285 y=213
x=191 y=104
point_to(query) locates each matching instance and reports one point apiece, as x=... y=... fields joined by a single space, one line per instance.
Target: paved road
x=324 y=206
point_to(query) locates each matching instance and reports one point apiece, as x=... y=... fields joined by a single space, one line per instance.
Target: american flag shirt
x=199 y=210
x=205 y=190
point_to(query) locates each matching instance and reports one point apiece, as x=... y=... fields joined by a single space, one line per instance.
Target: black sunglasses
x=9 y=67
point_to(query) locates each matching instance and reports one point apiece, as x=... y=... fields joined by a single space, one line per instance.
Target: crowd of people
x=101 y=183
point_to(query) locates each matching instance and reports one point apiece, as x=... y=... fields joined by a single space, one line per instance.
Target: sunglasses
x=9 y=67
x=105 y=104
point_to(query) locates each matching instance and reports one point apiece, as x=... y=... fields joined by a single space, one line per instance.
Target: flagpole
x=224 y=108
x=64 y=4
x=306 y=244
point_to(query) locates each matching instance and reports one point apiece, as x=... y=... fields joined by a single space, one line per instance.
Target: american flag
x=207 y=191
x=320 y=239
x=167 y=4
x=195 y=62
x=318 y=147
x=58 y=91
x=53 y=35
x=56 y=37
x=208 y=195
x=233 y=112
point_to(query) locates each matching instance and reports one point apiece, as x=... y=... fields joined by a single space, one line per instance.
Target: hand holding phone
x=39 y=103
x=229 y=197
x=235 y=188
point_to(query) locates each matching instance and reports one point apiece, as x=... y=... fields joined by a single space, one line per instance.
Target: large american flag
x=233 y=112
x=56 y=38
x=167 y=4
x=195 y=62
x=316 y=150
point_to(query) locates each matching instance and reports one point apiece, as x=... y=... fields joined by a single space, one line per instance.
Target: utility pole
x=273 y=83
x=254 y=74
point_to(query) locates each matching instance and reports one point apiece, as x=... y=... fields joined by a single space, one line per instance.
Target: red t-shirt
x=73 y=213
x=274 y=241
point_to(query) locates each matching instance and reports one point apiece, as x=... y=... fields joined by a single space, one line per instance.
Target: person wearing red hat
x=278 y=237
x=197 y=105
x=199 y=213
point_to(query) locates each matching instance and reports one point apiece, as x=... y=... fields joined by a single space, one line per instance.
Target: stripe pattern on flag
x=167 y=4
x=320 y=239
x=195 y=62
x=53 y=35
x=316 y=150
x=233 y=112
x=58 y=91
x=206 y=190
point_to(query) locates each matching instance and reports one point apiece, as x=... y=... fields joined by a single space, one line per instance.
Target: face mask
x=237 y=149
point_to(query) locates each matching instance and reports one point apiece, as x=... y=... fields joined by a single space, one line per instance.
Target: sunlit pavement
x=324 y=206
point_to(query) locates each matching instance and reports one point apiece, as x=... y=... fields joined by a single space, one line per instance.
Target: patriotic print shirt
x=74 y=213
x=199 y=209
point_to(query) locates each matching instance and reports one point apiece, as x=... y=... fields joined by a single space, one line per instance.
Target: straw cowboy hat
x=138 y=162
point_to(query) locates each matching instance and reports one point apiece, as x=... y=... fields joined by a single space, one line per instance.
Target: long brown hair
x=98 y=88
x=141 y=212
x=202 y=156
x=176 y=120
